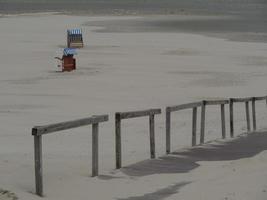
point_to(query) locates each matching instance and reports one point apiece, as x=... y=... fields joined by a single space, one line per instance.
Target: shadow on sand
x=159 y=194
x=243 y=146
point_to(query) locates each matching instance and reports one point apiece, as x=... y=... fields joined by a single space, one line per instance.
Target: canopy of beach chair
x=69 y=51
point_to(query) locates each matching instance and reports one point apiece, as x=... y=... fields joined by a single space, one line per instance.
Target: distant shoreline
x=230 y=27
x=248 y=22
x=135 y=7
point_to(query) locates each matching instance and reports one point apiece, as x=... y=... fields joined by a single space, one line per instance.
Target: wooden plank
x=247 y=116
x=40 y=130
x=236 y=100
x=202 y=125
x=168 y=130
x=95 y=149
x=152 y=136
x=260 y=98
x=231 y=111
x=217 y=102
x=223 y=121
x=141 y=113
x=254 y=114
x=118 y=139
x=194 y=126
x=38 y=165
x=185 y=106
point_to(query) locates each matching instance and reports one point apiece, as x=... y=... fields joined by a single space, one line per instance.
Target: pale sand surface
x=122 y=72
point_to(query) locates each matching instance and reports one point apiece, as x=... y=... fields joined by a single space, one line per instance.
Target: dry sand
x=122 y=72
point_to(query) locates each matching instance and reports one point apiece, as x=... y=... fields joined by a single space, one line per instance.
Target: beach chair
x=68 y=62
x=74 y=38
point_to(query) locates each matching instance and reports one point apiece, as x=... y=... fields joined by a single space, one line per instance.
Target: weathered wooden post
x=118 y=139
x=254 y=114
x=247 y=116
x=223 y=120
x=202 y=125
x=168 y=130
x=134 y=114
x=38 y=131
x=231 y=111
x=194 y=126
x=38 y=162
x=95 y=149
x=152 y=135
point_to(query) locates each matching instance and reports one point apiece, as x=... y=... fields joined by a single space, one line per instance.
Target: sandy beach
x=123 y=71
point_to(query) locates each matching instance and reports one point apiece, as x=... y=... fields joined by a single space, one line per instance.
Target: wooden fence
x=38 y=131
x=126 y=115
x=203 y=105
x=246 y=101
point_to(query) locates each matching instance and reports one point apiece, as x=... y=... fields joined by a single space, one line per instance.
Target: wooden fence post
x=168 y=130
x=254 y=114
x=95 y=149
x=223 y=120
x=38 y=131
x=38 y=164
x=194 y=126
x=202 y=125
x=247 y=116
x=118 y=139
x=152 y=135
x=231 y=110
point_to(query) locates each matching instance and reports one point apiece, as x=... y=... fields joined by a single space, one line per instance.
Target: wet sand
x=236 y=28
x=240 y=20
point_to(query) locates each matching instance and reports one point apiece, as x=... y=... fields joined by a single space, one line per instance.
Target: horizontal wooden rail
x=249 y=99
x=141 y=113
x=217 y=102
x=184 y=106
x=237 y=100
x=260 y=98
x=133 y=114
x=39 y=131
